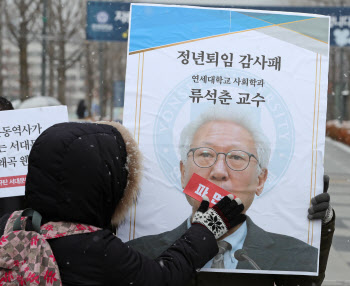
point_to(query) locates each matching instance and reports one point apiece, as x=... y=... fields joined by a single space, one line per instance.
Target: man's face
x=224 y=136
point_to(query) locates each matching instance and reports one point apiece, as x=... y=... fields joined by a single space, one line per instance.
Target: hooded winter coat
x=89 y=173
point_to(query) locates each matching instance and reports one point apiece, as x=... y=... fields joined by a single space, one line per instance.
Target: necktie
x=218 y=260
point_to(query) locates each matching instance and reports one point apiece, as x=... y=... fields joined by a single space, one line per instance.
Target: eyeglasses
x=236 y=160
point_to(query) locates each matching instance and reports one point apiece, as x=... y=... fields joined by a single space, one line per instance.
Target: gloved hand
x=221 y=217
x=320 y=206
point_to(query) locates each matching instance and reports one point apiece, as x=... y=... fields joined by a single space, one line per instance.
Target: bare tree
x=22 y=22
x=66 y=27
x=50 y=51
x=90 y=68
x=115 y=70
x=104 y=83
x=51 y=58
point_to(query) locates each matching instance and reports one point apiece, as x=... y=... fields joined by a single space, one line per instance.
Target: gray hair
x=238 y=116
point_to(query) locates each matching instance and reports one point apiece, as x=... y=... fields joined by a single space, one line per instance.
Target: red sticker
x=9 y=182
x=198 y=187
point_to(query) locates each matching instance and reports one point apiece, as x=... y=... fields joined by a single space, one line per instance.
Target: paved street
x=337 y=166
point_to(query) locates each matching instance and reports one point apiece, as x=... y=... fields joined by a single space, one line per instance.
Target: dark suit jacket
x=270 y=251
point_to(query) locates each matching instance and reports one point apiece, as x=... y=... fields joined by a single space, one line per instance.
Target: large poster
x=235 y=85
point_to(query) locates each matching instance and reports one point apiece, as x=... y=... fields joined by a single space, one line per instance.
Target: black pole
x=43 y=54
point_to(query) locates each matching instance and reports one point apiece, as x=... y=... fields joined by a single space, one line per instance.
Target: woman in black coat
x=90 y=173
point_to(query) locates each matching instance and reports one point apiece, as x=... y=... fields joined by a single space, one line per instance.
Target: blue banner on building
x=107 y=21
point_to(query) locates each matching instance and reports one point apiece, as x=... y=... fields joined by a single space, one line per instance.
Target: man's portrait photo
x=228 y=148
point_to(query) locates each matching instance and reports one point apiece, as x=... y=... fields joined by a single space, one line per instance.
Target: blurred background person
x=81 y=108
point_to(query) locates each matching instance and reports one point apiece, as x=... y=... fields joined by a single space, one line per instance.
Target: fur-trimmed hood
x=84 y=172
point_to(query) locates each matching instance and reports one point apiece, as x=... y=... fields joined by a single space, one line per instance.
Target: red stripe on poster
x=10 y=182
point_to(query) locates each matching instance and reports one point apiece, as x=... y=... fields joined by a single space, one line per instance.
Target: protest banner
x=18 y=132
x=260 y=78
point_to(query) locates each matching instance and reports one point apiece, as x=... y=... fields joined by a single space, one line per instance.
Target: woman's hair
x=238 y=116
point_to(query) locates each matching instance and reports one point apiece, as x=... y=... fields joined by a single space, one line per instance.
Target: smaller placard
x=18 y=132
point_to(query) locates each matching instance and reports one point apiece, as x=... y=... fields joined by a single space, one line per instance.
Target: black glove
x=320 y=206
x=221 y=217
